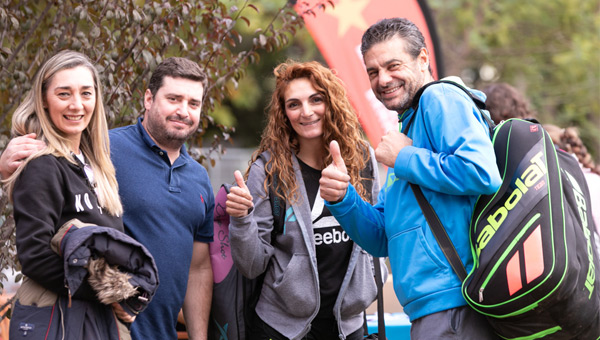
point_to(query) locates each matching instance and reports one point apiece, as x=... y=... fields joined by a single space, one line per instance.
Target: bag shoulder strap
x=480 y=104
x=277 y=203
x=438 y=230
x=368 y=174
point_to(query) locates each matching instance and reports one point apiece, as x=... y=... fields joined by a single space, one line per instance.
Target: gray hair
x=387 y=29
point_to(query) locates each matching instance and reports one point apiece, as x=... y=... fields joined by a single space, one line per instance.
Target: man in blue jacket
x=447 y=152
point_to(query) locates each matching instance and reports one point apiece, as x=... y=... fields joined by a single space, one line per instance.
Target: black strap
x=380 y=313
x=478 y=102
x=277 y=203
x=439 y=232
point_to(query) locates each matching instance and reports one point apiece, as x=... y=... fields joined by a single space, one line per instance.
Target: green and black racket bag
x=536 y=271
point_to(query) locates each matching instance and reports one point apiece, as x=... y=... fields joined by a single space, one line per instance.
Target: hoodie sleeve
x=250 y=236
x=38 y=199
x=453 y=152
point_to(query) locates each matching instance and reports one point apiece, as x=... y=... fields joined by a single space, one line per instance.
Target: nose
x=183 y=109
x=306 y=109
x=383 y=78
x=76 y=103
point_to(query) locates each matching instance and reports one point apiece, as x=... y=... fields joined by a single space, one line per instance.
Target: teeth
x=74 y=118
x=391 y=90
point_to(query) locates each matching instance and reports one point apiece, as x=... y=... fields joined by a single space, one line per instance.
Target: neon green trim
x=510 y=248
x=539 y=334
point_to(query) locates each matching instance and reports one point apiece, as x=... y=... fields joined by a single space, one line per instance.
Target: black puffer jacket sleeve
x=38 y=199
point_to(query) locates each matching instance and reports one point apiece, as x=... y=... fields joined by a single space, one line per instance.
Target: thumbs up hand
x=239 y=200
x=334 y=178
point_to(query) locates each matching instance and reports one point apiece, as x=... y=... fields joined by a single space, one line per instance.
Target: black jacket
x=49 y=192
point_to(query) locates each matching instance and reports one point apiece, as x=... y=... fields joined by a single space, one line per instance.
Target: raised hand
x=239 y=200
x=334 y=178
x=389 y=147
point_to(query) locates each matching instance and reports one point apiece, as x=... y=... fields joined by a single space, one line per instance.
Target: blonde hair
x=340 y=123
x=31 y=117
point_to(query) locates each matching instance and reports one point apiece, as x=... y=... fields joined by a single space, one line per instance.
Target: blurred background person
x=568 y=140
x=504 y=102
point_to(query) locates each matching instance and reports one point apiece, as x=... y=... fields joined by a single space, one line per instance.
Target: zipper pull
x=69 y=290
x=480 y=295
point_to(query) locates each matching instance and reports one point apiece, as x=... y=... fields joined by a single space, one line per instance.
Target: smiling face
x=70 y=100
x=173 y=114
x=394 y=74
x=305 y=108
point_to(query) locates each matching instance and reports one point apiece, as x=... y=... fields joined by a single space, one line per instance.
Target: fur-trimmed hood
x=120 y=268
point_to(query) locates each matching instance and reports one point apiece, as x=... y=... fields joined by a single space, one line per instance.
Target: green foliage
x=548 y=49
x=127 y=39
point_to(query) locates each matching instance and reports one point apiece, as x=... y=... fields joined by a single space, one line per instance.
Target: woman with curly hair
x=317 y=282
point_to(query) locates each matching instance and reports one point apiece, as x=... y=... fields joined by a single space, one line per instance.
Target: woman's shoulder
x=46 y=165
x=40 y=172
x=43 y=160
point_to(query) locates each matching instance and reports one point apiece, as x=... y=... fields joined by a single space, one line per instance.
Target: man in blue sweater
x=447 y=152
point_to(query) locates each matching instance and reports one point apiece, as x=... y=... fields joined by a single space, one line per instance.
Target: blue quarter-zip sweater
x=452 y=160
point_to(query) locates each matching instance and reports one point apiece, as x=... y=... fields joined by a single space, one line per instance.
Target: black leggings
x=319 y=331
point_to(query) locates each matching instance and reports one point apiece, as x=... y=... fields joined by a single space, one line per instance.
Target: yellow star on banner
x=349 y=14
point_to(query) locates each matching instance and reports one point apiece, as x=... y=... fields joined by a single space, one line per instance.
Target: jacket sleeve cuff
x=401 y=165
x=345 y=204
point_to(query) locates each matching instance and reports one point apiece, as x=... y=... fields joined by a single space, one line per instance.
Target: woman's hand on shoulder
x=239 y=199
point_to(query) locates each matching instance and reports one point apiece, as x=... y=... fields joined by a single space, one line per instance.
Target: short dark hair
x=176 y=67
x=386 y=29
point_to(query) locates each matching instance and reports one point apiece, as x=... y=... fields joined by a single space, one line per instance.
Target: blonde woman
x=72 y=177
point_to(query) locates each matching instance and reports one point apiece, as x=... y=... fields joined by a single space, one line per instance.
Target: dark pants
x=462 y=323
x=320 y=330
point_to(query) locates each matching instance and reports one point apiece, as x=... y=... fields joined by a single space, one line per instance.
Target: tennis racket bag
x=536 y=270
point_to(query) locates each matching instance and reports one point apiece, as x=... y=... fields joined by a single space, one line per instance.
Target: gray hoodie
x=290 y=298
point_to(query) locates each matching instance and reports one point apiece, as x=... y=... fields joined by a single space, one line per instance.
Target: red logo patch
x=533 y=128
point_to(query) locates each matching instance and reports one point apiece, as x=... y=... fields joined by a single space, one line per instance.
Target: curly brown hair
x=504 y=102
x=340 y=123
x=568 y=140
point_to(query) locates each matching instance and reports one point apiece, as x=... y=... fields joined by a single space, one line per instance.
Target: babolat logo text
x=532 y=175
x=582 y=209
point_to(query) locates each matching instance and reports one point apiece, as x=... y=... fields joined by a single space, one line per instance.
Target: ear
x=148 y=99
x=424 y=60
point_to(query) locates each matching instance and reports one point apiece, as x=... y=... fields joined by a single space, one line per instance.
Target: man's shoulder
x=124 y=137
x=122 y=131
x=450 y=90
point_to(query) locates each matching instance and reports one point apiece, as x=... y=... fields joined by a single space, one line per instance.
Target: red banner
x=337 y=32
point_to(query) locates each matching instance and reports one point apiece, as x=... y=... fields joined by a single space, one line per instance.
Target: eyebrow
x=309 y=97
x=69 y=87
x=387 y=63
x=179 y=96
